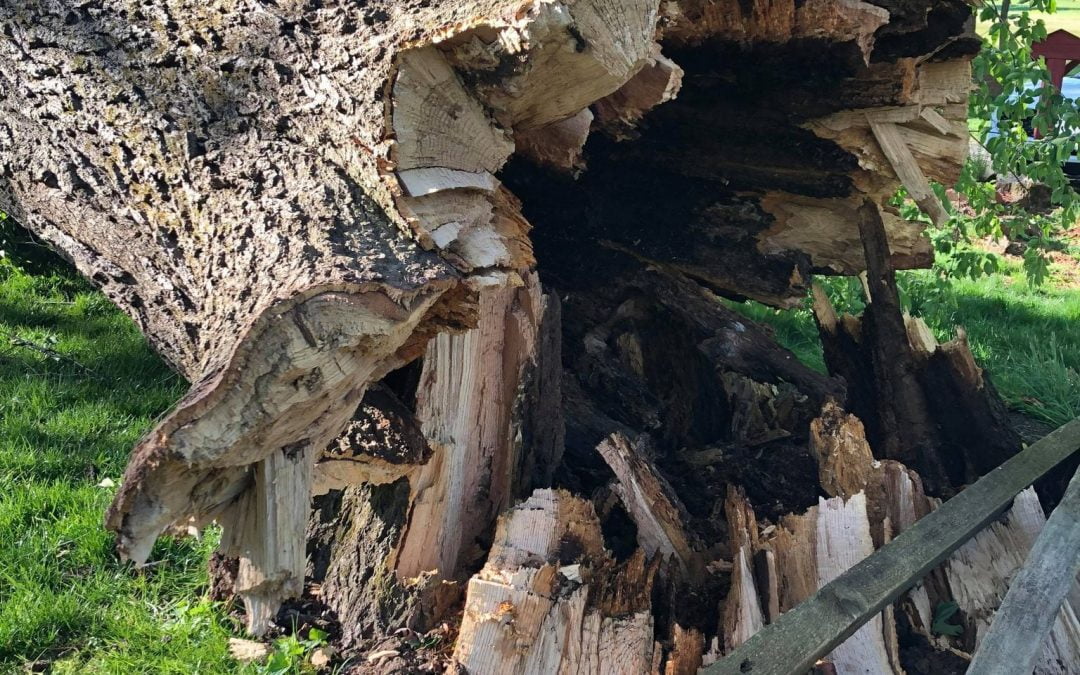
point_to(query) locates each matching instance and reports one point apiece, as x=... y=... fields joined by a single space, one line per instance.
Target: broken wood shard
x=983 y=569
x=845 y=461
x=466 y=403
x=266 y=531
x=907 y=169
x=800 y=637
x=1040 y=591
x=658 y=82
x=743 y=616
x=651 y=503
x=524 y=614
x=560 y=144
x=843 y=540
x=803 y=554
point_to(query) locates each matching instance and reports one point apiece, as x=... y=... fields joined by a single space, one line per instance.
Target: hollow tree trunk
x=244 y=181
x=426 y=260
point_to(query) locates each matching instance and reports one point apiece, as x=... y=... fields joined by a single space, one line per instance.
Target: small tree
x=1013 y=95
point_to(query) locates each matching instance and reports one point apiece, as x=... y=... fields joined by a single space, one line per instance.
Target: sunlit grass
x=78 y=387
x=1027 y=338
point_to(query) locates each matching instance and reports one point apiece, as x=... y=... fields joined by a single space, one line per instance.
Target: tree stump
x=419 y=261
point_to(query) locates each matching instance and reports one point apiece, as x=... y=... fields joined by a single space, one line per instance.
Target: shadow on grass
x=81 y=390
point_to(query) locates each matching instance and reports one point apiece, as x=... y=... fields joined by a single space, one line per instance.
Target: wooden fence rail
x=798 y=639
x=1035 y=595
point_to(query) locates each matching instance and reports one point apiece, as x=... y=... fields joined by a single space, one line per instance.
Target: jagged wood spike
x=800 y=637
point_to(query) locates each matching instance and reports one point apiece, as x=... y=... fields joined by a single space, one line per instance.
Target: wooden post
x=795 y=641
x=1035 y=596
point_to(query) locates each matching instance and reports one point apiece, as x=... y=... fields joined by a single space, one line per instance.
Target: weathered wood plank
x=1024 y=618
x=800 y=637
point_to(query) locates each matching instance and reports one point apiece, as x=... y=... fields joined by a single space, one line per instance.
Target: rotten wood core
x=423 y=261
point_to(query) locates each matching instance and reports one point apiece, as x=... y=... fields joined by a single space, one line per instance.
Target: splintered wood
x=448 y=147
x=576 y=53
x=466 y=406
x=981 y=571
x=651 y=503
x=742 y=612
x=844 y=458
x=267 y=533
x=811 y=549
x=802 y=554
x=1039 y=601
x=919 y=135
x=907 y=168
x=542 y=602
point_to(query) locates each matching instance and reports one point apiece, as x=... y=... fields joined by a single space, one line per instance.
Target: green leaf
x=942 y=614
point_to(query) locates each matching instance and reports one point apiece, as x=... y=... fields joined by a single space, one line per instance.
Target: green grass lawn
x=1027 y=338
x=1066 y=17
x=66 y=424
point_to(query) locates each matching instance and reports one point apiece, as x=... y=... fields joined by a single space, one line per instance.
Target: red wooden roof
x=1061 y=44
x=1061 y=49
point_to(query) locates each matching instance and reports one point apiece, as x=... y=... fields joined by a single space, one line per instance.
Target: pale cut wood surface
x=743 y=614
x=981 y=572
x=465 y=405
x=812 y=549
x=1036 y=596
x=843 y=539
x=650 y=501
x=526 y=612
x=266 y=531
x=802 y=636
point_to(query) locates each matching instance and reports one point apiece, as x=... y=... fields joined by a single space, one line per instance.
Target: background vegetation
x=1027 y=337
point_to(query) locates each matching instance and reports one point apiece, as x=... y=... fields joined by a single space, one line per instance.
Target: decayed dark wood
x=382 y=443
x=925 y=404
x=800 y=637
x=906 y=427
x=1023 y=620
x=731 y=341
x=973 y=416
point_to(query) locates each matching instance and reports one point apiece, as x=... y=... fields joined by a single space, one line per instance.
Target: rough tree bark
x=426 y=260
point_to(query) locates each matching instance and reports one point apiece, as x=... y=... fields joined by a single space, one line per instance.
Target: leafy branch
x=1013 y=99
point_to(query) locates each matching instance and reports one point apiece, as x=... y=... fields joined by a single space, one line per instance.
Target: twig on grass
x=50 y=353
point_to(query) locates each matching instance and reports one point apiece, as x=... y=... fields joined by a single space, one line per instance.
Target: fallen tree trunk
x=423 y=261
